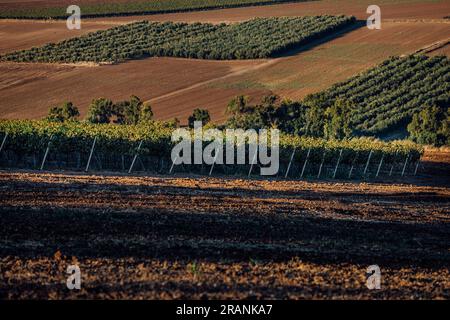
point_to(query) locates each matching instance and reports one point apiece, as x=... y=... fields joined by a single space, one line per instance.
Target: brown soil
x=312 y=70
x=24 y=34
x=195 y=237
x=175 y=86
x=391 y=9
x=27 y=90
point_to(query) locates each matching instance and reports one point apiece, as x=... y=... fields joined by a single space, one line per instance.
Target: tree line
x=128 y=112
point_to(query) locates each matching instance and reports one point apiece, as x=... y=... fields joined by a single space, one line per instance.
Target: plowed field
x=194 y=237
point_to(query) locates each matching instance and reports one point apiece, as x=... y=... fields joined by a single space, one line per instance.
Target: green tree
x=132 y=111
x=263 y=115
x=172 y=123
x=199 y=115
x=292 y=117
x=66 y=112
x=146 y=113
x=337 y=120
x=100 y=111
x=237 y=105
x=430 y=126
x=314 y=121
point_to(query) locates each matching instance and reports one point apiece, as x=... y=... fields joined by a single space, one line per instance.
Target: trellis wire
x=337 y=164
x=368 y=161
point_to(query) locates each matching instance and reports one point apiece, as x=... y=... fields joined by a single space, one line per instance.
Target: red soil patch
x=27 y=90
x=23 y=34
x=390 y=9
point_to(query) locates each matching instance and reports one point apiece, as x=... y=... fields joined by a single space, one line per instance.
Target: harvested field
x=408 y=26
x=254 y=39
x=17 y=35
x=91 y=8
x=192 y=237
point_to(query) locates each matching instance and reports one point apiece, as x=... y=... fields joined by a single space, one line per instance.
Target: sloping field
x=176 y=86
x=389 y=94
x=31 y=33
x=19 y=35
x=27 y=90
x=313 y=70
x=51 y=9
x=392 y=9
x=35 y=88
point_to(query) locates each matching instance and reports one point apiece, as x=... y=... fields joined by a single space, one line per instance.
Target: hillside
x=386 y=97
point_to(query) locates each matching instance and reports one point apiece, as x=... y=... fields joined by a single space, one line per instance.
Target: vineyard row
x=35 y=144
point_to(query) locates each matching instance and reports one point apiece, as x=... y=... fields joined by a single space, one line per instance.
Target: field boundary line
x=201 y=83
x=433 y=47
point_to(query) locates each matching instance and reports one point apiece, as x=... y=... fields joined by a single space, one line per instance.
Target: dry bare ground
x=392 y=9
x=176 y=87
x=195 y=237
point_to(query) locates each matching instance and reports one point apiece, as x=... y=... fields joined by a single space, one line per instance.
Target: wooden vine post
x=306 y=162
x=135 y=157
x=90 y=155
x=290 y=163
x=46 y=153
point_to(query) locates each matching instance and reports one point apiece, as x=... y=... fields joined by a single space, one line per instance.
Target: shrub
x=199 y=115
x=66 y=112
x=430 y=126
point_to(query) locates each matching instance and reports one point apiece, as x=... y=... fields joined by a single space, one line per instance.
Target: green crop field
x=257 y=38
x=388 y=95
x=137 y=7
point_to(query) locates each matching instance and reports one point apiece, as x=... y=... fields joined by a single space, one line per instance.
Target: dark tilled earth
x=137 y=237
